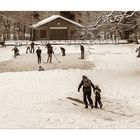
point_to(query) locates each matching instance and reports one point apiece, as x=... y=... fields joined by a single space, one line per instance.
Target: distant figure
x=82 y=51
x=28 y=47
x=63 y=51
x=38 y=51
x=41 y=68
x=138 y=50
x=47 y=45
x=87 y=84
x=97 y=92
x=16 y=51
x=32 y=47
x=50 y=52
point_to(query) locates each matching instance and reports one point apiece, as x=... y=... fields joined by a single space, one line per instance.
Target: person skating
x=82 y=51
x=38 y=51
x=97 y=92
x=63 y=51
x=50 y=52
x=28 y=47
x=47 y=45
x=87 y=84
x=16 y=51
x=138 y=50
x=32 y=47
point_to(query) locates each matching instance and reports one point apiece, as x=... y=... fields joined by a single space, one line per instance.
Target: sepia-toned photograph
x=69 y=69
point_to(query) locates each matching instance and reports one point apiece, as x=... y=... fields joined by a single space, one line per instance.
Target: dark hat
x=97 y=86
x=84 y=76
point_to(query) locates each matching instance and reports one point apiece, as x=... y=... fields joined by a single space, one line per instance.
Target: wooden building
x=56 y=27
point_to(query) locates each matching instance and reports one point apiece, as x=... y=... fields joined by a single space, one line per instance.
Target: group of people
x=50 y=52
x=30 y=47
x=87 y=86
x=86 y=83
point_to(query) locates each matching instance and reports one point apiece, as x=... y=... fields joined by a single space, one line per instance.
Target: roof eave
x=68 y=20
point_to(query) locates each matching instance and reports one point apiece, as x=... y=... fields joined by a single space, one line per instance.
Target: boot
x=86 y=106
x=101 y=105
x=92 y=106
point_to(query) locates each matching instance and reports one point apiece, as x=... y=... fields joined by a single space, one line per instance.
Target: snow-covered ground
x=40 y=99
x=6 y=53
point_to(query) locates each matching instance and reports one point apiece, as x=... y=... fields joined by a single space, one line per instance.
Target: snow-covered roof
x=49 y=19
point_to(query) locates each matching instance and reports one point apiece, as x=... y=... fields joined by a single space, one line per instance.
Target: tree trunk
x=135 y=34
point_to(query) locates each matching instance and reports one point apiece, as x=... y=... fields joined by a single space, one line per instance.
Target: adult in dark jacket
x=87 y=84
x=50 y=52
x=63 y=51
x=47 y=45
x=32 y=47
x=82 y=51
x=38 y=51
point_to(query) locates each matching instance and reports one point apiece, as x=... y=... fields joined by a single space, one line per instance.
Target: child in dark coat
x=97 y=92
x=16 y=51
x=41 y=68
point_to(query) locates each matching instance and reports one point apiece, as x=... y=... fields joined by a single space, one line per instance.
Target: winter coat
x=15 y=50
x=82 y=48
x=38 y=51
x=97 y=92
x=85 y=88
x=32 y=45
x=50 y=50
x=62 y=49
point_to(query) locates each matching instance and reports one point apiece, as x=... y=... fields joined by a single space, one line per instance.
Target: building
x=56 y=27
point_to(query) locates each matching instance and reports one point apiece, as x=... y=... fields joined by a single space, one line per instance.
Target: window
x=43 y=33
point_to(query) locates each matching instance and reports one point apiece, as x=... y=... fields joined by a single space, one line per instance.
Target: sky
x=55 y=5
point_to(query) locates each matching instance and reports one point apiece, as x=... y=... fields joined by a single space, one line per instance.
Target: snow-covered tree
x=116 y=24
x=14 y=27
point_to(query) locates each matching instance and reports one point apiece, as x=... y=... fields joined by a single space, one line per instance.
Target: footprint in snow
x=109 y=119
